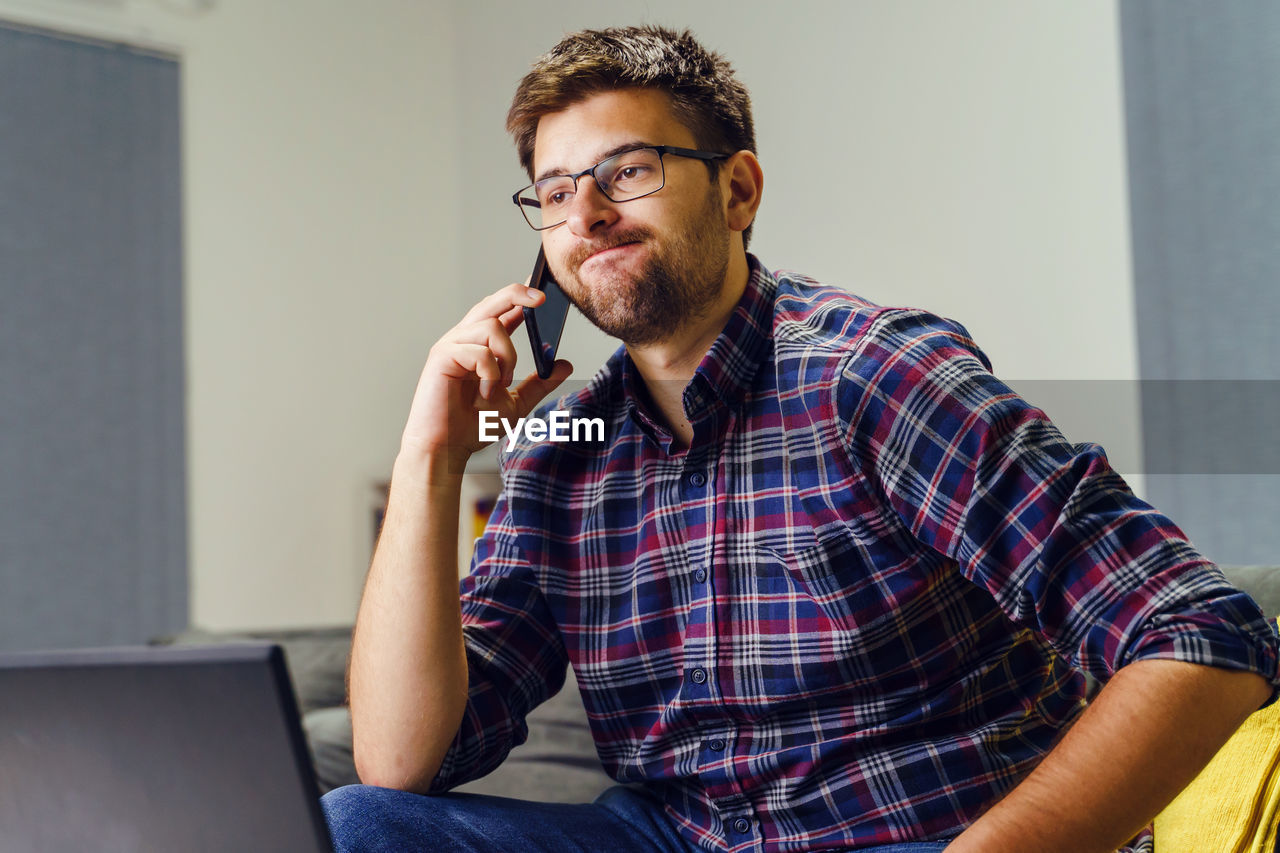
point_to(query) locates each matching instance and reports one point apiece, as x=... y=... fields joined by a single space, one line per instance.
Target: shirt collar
x=730 y=366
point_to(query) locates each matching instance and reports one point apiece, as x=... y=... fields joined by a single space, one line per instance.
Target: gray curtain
x=92 y=456
x=1202 y=93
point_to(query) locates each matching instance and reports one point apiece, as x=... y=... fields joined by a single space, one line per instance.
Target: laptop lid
x=158 y=749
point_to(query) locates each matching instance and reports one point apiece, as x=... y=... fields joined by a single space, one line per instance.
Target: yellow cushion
x=1233 y=806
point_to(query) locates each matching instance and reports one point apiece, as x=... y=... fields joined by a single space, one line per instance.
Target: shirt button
x=716 y=744
x=698 y=676
x=697 y=479
x=700 y=575
x=741 y=825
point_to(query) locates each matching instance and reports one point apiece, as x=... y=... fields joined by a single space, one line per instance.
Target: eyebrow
x=556 y=171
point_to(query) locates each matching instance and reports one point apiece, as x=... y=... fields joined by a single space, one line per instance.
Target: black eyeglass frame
x=692 y=153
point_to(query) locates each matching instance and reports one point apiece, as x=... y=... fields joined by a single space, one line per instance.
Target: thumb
x=534 y=388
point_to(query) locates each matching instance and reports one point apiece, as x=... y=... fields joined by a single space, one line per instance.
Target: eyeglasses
x=627 y=176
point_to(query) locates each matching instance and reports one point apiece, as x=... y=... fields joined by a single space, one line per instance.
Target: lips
x=606 y=244
x=600 y=253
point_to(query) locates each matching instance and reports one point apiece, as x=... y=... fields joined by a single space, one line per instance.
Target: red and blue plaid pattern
x=855 y=610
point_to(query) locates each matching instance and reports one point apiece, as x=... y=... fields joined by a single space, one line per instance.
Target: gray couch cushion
x=316 y=659
x=1262 y=583
x=328 y=732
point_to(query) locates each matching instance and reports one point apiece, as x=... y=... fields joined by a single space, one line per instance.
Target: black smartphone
x=546 y=322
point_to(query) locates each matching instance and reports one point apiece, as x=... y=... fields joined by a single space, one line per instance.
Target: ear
x=742 y=182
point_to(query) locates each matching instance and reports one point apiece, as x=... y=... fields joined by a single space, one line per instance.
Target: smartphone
x=546 y=322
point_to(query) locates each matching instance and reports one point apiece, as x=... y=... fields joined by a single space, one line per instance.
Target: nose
x=592 y=210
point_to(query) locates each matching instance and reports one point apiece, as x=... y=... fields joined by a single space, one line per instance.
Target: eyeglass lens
x=622 y=177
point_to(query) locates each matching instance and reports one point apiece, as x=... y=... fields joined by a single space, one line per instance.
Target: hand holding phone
x=546 y=322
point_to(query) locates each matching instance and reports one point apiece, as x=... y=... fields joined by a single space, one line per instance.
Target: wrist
x=430 y=468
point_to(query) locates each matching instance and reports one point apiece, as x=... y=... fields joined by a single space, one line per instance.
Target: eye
x=630 y=173
x=555 y=194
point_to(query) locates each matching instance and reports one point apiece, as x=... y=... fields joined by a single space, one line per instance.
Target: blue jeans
x=364 y=819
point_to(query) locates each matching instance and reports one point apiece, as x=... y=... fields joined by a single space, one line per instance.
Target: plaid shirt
x=855 y=610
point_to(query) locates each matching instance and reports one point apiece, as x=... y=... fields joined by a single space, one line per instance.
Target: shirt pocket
x=826 y=572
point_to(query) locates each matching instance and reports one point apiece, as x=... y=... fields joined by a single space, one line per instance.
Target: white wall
x=965 y=157
x=321 y=252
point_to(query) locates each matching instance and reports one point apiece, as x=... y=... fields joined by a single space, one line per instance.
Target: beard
x=679 y=282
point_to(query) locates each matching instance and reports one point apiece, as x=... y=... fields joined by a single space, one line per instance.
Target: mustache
x=580 y=253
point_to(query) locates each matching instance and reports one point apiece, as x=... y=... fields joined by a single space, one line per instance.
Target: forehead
x=577 y=136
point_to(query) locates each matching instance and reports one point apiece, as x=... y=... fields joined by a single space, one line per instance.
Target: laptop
x=154 y=750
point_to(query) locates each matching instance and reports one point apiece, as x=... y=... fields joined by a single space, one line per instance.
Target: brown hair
x=706 y=96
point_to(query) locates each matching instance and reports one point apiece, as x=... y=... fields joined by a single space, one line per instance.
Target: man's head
x=705 y=95
x=640 y=266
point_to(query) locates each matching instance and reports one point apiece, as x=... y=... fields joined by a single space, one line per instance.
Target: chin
x=608 y=287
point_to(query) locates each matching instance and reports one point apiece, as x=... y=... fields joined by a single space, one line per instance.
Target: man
x=826 y=584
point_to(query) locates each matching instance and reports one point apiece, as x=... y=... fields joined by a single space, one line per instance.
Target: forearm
x=408 y=677
x=1145 y=737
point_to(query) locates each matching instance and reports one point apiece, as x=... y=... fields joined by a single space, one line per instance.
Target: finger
x=502 y=346
x=534 y=388
x=512 y=319
x=499 y=303
x=493 y=334
x=477 y=361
